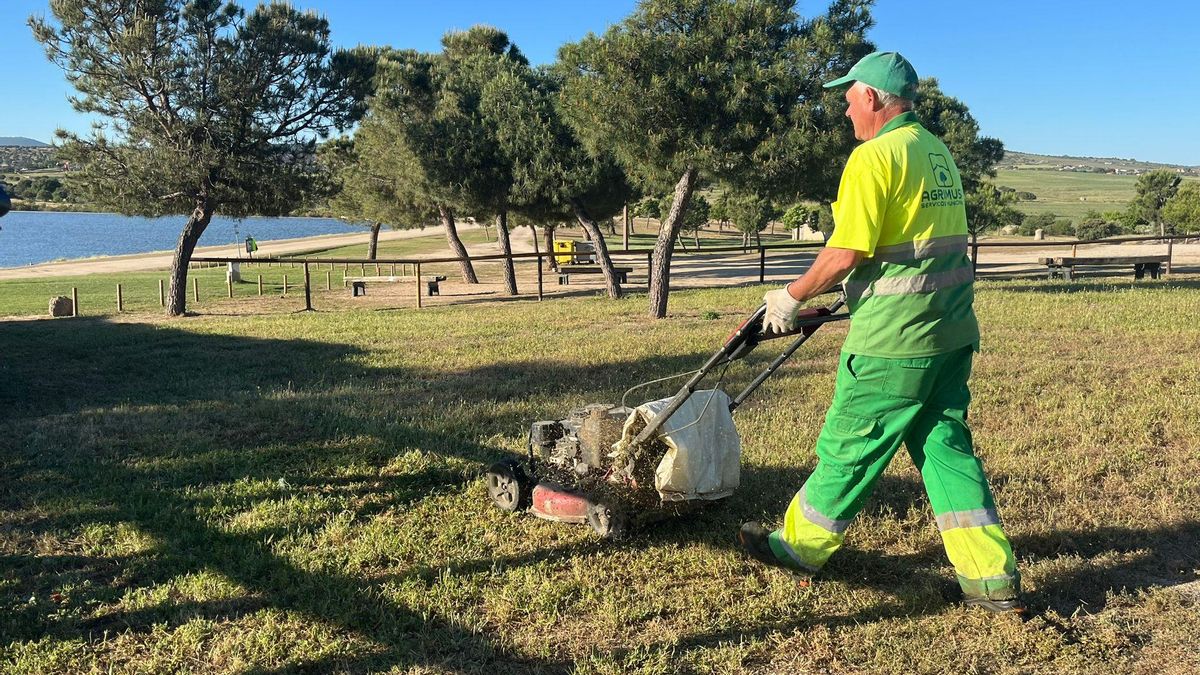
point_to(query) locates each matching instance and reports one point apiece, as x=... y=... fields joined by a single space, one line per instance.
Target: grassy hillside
x=302 y=492
x=1069 y=193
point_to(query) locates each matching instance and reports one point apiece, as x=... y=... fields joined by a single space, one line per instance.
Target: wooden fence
x=413 y=266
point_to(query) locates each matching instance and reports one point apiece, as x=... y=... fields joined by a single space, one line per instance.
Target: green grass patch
x=303 y=492
x=1070 y=193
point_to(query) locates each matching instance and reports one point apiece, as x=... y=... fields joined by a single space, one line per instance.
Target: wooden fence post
x=229 y=284
x=285 y=285
x=260 y=284
x=762 y=264
x=120 y=300
x=162 y=296
x=624 y=229
x=74 y=301
x=418 y=277
x=307 y=290
x=328 y=280
x=195 y=289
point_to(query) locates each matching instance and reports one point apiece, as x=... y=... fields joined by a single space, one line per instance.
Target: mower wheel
x=607 y=522
x=508 y=486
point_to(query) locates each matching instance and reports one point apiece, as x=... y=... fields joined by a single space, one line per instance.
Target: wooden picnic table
x=1064 y=266
x=358 y=285
x=565 y=272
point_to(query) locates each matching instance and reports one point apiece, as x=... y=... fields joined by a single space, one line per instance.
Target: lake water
x=28 y=237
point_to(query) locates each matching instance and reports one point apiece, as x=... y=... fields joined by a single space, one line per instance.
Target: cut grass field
x=303 y=492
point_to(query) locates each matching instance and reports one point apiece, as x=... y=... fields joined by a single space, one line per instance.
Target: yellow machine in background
x=571 y=252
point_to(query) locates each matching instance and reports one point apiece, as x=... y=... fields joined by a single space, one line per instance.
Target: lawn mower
x=617 y=468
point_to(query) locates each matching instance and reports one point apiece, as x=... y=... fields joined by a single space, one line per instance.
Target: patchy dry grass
x=302 y=492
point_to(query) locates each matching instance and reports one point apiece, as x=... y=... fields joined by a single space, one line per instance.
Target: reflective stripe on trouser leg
x=861 y=434
x=941 y=447
x=807 y=538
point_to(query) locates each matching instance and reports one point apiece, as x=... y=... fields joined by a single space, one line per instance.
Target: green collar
x=906 y=117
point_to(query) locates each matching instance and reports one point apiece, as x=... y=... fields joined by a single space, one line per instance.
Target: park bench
x=565 y=272
x=1065 y=266
x=358 y=285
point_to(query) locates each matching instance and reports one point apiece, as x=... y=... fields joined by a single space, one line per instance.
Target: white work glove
x=781 y=311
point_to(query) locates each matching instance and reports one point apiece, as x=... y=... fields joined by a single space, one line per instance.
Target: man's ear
x=872 y=99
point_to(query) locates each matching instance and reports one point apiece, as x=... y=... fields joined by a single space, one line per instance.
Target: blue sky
x=1102 y=78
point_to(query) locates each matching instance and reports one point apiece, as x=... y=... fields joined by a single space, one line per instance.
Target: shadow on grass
x=162 y=413
x=108 y=424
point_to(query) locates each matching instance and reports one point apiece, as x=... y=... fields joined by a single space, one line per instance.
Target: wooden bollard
x=120 y=300
x=195 y=289
x=285 y=284
x=260 y=284
x=74 y=301
x=328 y=281
x=229 y=283
x=162 y=296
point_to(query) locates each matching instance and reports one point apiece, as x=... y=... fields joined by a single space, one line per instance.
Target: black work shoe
x=754 y=539
x=1011 y=606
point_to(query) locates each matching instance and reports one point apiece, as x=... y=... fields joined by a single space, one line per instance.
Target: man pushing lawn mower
x=899 y=243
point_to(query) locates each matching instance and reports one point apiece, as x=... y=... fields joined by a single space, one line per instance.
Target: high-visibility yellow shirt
x=901 y=203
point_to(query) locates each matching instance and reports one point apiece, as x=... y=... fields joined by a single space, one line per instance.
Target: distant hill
x=21 y=142
x=1028 y=160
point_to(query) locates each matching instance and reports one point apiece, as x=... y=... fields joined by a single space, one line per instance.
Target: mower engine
x=579 y=444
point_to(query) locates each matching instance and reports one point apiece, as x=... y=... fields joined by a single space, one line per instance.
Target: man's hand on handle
x=781 y=311
x=831 y=266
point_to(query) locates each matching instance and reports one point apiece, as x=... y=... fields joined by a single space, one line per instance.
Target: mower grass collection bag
x=703 y=451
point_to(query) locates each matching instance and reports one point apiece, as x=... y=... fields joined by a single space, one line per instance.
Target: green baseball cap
x=886 y=71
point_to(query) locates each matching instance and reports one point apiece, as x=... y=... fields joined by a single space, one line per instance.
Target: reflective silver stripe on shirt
x=922 y=249
x=974 y=518
x=834 y=526
x=921 y=283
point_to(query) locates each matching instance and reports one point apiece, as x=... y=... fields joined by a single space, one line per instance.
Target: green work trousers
x=878 y=404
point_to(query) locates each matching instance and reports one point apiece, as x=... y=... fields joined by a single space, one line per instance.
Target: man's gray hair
x=887 y=100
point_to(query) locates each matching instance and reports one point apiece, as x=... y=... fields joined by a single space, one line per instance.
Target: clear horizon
x=1066 y=79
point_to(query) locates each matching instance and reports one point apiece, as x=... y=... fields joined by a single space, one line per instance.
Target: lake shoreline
x=161 y=260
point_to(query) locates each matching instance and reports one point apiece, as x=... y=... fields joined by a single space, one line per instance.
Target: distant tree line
x=40 y=189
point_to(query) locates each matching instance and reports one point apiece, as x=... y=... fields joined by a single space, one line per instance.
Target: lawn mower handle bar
x=741 y=342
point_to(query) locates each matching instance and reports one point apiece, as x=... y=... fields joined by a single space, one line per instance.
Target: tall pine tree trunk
x=197 y=221
x=660 y=265
x=610 y=277
x=456 y=245
x=548 y=235
x=373 y=244
x=510 y=275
